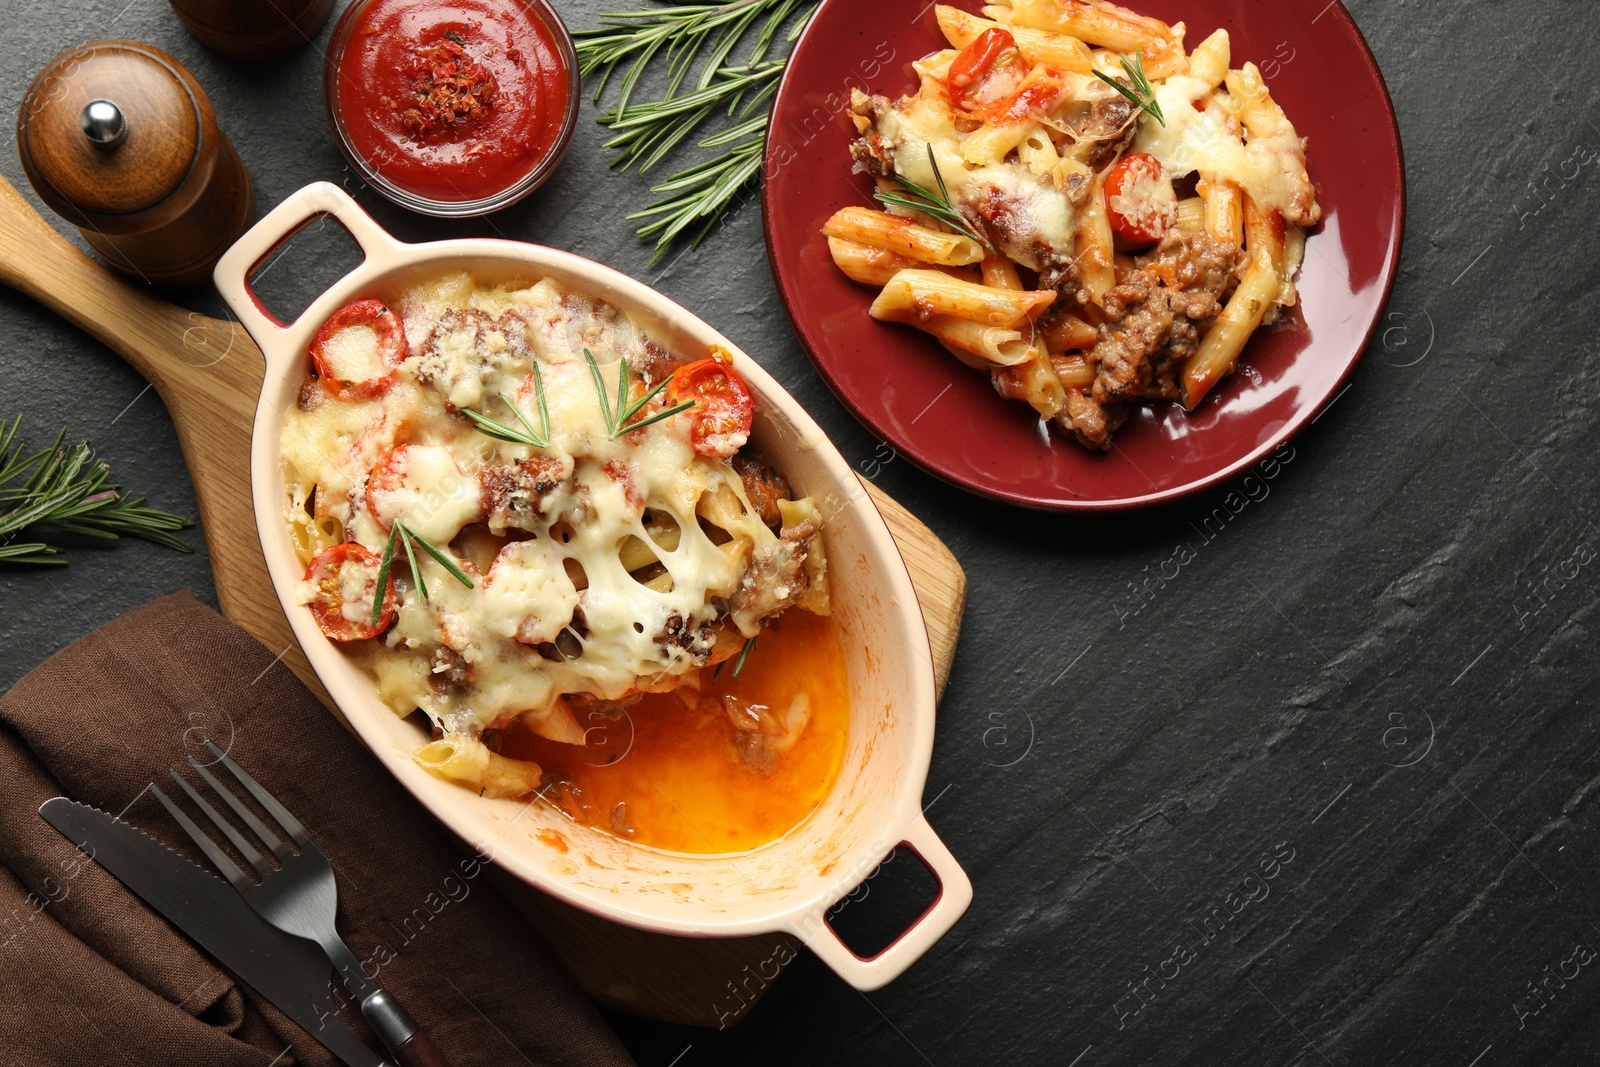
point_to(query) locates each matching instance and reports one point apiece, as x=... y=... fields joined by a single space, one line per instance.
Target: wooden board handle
x=164 y=342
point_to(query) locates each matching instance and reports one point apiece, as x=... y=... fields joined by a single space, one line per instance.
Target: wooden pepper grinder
x=253 y=29
x=121 y=140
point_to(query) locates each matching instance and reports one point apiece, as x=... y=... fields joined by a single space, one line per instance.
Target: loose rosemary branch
x=683 y=37
x=1141 y=96
x=936 y=204
x=66 y=490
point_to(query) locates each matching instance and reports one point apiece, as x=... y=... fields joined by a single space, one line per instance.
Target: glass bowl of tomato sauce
x=452 y=107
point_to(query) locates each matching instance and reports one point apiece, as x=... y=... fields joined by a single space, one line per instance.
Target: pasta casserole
x=1079 y=206
x=519 y=511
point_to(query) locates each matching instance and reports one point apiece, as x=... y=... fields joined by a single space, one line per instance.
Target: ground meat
x=872 y=151
x=775 y=579
x=1009 y=223
x=764 y=486
x=1155 y=315
x=656 y=363
x=679 y=637
x=1090 y=422
x=514 y=493
x=450 y=671
x=1104 y=128
x=311 y=395
x=464 y=345
x=625 y=473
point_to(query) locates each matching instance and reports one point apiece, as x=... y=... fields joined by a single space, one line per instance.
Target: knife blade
x=288 y=971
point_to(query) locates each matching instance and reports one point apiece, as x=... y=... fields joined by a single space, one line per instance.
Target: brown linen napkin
x=88 y=974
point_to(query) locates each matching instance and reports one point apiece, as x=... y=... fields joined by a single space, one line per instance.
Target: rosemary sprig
x=738 y=663
x=683 y=36
x=1142 y=96
x=67 y=490
x=406 y=536
x=935 y=204
x=744 y=654
x=617 y=418
x=526 y=435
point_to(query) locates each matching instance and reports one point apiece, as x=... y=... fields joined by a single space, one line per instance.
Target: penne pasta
x=466 y=760
x=1294 y=253
x=1219 y=349
x=1164 y=62
x=1265 y=232
x=894 y=233
x=1210 y=59
x=1224 y=215
x=923 y=293
x=1094 y=247
x=935 y=67
x=1038 y=153
x=1106 y=25
x=875 y=266
x=1007 y=123
x=1071 y=174
x=1073 y=371
x=1033 y=382
x=1270 y=129
x=1069 y=332
x=991 y=143
x=1037 y=46
x=976 y=345
x=1000 y=273
x=1192 y=214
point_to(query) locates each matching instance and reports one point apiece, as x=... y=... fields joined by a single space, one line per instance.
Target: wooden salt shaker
x=120 y=139
x=253 y=29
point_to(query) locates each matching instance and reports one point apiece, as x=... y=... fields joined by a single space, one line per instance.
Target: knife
x=288 y=971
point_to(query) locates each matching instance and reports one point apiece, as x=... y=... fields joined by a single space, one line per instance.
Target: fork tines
x=264 y=833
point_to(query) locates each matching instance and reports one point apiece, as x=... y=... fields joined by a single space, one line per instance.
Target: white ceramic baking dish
x=786 y=885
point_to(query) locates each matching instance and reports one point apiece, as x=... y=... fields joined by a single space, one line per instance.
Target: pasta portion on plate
x=1079 y=206
x=517 y=508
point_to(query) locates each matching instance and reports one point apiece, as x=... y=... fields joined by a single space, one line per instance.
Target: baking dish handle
x=315 y=201
x=874 y=972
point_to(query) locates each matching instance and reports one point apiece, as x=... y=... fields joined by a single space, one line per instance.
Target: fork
x=298 y=896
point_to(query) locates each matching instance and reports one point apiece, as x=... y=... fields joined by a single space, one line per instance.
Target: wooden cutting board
x=209 y=374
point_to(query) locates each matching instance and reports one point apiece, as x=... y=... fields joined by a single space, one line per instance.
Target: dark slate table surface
x=1327 y=796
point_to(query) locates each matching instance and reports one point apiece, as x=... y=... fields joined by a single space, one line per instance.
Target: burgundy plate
x=946 y=417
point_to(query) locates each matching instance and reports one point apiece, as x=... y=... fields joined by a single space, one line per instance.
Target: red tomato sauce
x=452 y=101
x=672 y=764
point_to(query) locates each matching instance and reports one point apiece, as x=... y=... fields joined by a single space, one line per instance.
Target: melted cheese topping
x=600 y=567
x=1035 y=209
x=1147 y=202
x=1202 y=141
x=1026 y=201
x=352 y=354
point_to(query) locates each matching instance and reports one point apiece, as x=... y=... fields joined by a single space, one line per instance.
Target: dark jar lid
x=117 y=135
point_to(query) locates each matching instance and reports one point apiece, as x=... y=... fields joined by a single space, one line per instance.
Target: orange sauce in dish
x=672 y=773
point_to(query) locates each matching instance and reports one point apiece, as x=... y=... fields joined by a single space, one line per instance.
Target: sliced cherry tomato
x=1140 y=200
x=991 y=56
x=722 y=410
x=385 y=484
x=424 y=485
x=346 y=580
x=346 y=370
